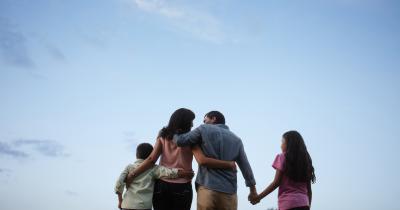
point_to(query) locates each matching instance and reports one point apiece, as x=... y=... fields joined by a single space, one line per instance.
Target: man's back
x=217 y=141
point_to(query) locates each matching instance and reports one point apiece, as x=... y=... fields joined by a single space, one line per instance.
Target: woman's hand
x=233 y=165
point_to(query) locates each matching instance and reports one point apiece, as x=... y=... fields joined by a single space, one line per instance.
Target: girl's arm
x=309 y=192
x=211 y=162
x=274 y=184
x=147 y=164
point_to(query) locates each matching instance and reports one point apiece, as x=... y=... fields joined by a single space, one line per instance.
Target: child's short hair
x=143 y=150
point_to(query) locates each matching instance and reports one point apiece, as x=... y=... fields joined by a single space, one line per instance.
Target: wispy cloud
x=55 y=52
x=71 y=193
x=7 y=150
x=200 y=24
x=13 y=49
x=44 y=147
x=4 y=172
x=23 y=148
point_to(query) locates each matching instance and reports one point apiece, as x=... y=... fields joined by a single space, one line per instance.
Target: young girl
x=294 y=175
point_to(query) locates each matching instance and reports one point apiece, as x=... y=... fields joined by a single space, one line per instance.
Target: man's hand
x=185 y=174
x=253 y=196
x=255 y=199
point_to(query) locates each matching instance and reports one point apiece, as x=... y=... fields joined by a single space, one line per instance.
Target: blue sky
x=83 y=82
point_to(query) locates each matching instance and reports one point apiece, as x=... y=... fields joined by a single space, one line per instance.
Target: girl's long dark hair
x=298 y=163
x=180 y=122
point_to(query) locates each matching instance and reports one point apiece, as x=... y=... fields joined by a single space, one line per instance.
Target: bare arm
x=147 y=164
x=274 y=184
x=211 y=162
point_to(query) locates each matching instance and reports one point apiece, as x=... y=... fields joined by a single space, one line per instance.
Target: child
x=139 y=193
x=294 y=174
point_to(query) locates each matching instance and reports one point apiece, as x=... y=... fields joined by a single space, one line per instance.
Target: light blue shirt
x=218 y=142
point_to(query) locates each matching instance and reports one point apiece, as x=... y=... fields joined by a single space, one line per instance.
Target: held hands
x=253 y=197
x=185 y=174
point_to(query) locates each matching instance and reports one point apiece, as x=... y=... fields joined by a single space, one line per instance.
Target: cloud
x=13 y=49
x=44 y=147
x=71 y=193
x=6 y=149
x=55 y=52
x=4 y=172
x=22 y=148
x=200 y=24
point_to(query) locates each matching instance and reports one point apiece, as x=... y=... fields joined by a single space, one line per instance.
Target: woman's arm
x=147 y=164
x=211 y=162
x=274 y=184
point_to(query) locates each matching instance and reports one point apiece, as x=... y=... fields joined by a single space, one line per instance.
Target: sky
x=82 y=83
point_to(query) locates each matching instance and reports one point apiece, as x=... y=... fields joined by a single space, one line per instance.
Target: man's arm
x=147 y=164
x=190 y=138
x=247 y=172
x=245 y=167
x=211 y=162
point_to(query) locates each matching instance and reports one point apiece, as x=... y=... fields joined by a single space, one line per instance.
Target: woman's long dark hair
x=298 y=163
x=180 y=122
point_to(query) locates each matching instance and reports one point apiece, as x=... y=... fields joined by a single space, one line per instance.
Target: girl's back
x=291 y=193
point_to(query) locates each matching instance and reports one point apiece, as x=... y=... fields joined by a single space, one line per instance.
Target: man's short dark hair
x=143 y=150
x=219 y=117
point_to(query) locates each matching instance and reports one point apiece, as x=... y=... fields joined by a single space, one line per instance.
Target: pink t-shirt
x=291 y=194
x=173 y=156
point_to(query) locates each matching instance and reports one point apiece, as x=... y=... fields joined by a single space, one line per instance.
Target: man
x=216 y=188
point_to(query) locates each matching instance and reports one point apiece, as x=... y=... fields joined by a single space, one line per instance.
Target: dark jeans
x=300 y=208
x=172 y=196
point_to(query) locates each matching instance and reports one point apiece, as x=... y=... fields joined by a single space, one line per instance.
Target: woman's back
x=173 y=156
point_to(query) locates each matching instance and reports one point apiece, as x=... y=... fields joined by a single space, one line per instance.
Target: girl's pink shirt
x=173 y=156
x=291 y=194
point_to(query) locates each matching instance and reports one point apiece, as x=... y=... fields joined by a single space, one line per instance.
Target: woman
x=176 y=194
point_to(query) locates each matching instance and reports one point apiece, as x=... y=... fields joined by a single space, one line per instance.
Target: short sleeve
x=279 y=161
x=119 y=186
